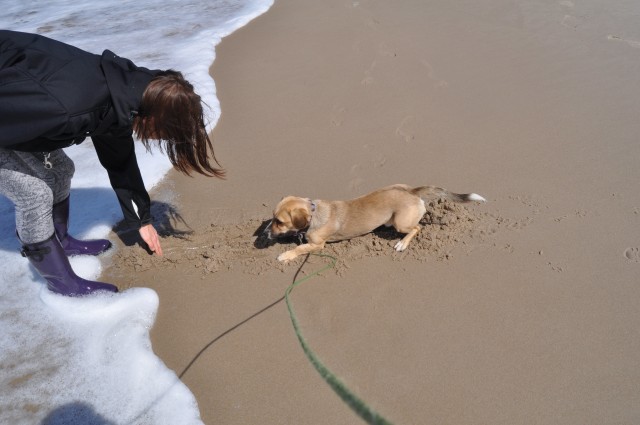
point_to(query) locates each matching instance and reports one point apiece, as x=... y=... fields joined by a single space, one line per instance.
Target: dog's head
x=291 y=215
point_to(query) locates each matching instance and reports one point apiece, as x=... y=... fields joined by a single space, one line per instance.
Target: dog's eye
x=276 y=221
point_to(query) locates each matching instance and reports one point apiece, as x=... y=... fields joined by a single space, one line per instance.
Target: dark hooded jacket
x=53 y=95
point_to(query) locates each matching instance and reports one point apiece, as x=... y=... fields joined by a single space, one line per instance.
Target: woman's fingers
x=151 y=238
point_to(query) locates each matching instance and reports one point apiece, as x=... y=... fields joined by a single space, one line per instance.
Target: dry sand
x=523 y=310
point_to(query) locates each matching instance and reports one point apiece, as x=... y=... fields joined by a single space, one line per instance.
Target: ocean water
x=90 y=361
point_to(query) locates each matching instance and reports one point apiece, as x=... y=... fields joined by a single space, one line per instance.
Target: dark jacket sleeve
x=117 y=155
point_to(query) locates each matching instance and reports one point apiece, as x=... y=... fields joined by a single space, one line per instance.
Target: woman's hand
x=150 y=236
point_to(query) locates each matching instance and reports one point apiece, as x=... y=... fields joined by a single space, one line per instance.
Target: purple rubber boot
x=71 y=245
x=52 y=263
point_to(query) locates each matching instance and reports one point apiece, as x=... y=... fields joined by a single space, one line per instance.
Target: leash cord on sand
x=353 y=401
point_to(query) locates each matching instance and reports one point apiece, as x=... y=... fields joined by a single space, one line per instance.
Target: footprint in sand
x=572 y=22
x=368 y=74
x=380 y=161
x=337 y=115
x=356 y=183
x=402 y=130
x=555 y=267
x=632 y=254
x=383 y=52
x=431 y=74
x=368 y=78
x=632 y=43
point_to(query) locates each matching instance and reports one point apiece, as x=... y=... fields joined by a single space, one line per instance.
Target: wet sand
x=520 y=310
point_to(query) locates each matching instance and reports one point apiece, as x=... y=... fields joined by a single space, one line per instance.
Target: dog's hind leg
x=404 y=242
x=407 y=221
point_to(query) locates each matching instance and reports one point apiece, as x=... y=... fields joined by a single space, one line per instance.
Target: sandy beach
x=522 y=310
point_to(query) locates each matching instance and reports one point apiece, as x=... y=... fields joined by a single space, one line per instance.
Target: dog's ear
x=300 y=218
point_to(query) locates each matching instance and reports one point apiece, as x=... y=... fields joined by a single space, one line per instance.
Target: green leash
x=353 y=401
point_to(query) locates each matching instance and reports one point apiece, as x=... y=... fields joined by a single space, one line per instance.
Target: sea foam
x=89 y=360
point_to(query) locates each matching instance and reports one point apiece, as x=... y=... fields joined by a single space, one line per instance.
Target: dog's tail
x=428 y=193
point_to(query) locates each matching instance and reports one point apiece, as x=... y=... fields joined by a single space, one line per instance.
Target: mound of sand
x=446 y=226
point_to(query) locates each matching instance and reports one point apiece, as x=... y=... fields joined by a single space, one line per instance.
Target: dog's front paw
x=287 y=256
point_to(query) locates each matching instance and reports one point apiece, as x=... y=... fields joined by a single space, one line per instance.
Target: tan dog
x=399 y=205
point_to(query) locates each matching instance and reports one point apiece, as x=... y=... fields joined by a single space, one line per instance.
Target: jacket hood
x=127 y=83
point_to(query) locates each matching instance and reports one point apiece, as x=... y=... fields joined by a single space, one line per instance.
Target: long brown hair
x=171 y=112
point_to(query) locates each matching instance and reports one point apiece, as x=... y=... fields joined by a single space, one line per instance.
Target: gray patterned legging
x=34 y=189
